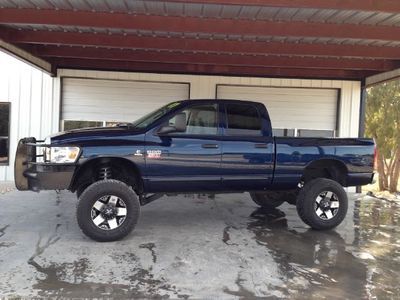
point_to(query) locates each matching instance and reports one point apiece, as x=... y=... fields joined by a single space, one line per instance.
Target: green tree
x=383 y=124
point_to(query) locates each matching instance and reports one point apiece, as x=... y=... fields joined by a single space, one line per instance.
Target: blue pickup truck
x=207 y=146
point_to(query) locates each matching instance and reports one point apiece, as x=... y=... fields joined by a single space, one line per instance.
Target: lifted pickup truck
x=211 y=146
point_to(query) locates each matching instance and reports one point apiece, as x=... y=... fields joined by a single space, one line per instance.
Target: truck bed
x=294 y=154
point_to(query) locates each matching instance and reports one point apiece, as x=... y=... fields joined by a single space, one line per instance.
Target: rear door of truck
x=247 y=147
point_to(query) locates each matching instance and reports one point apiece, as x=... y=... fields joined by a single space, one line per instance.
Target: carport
x=94 y=63
x=293 y=39
x=265 y=38
x=113 y=61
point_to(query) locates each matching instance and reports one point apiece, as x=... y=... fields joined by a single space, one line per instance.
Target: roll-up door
x=93 y=102
x=293 y=111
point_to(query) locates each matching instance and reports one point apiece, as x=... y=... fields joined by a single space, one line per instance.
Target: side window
x=4 y=132
x=200 y=119
x=316 y=133
x=243 y=119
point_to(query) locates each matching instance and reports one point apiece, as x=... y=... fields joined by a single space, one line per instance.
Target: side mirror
x=165 y=130
x=180 y=122
x=180 y=125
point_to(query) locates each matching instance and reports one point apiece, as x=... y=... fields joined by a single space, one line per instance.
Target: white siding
x=35 y=96
x=30 y=92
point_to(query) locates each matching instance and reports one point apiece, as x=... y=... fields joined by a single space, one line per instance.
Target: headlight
x=61 y=154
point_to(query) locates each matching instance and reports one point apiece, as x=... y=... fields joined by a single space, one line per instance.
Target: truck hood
x=97 y=136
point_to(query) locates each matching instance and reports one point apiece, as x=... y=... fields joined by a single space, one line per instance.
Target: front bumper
x=29 y=174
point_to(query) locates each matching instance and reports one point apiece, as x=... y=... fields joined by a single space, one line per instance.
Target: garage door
x=293 y=111
x=92 y=102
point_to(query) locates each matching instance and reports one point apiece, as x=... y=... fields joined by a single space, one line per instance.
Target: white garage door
x=92 y=102
x=293 y=111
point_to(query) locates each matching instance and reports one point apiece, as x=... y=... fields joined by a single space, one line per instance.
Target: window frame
x=226 y=123
x=7 y=162
x=217 y=122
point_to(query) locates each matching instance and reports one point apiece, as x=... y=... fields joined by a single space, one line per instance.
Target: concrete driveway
x=199 y=247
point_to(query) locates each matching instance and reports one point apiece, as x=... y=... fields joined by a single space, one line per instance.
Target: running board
x=144 y=199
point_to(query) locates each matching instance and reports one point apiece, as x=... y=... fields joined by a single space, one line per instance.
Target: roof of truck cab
x=221 y=100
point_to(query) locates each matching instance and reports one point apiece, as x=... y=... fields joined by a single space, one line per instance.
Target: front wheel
x=107 y=210
x=322 y=203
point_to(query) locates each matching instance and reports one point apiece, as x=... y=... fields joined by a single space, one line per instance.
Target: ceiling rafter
x=210 y=58
x=73 y=63
x=190 y=44
x=196 y=25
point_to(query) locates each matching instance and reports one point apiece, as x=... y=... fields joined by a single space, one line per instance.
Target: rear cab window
x=243 y=120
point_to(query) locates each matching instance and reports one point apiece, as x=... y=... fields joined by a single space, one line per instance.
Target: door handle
x=261 y=145
x=210 y=146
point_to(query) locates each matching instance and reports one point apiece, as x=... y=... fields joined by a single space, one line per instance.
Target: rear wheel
x=272 y=199
x=322 y=203
x=107 y=210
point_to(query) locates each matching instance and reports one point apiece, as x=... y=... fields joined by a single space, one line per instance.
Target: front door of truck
x=247 y=151
x=186 y=161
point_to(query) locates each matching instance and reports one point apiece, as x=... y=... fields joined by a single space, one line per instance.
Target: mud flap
x=25 y=154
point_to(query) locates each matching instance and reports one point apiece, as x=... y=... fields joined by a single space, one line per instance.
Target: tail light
x=375 y=156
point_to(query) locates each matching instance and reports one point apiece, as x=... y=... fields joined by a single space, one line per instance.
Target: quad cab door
x=247 y=147
x=186 y=161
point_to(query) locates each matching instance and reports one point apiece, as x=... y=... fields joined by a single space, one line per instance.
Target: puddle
x=325 y=263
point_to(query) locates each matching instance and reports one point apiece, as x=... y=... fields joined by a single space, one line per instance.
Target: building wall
x=32 y=112
x=35 y=97
x=202 y=87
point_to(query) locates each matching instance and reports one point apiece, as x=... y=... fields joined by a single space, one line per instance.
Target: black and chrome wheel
x=326 y=205
x=108 y=210
x=322 y=203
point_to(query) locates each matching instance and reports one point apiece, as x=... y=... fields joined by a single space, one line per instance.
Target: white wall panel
x=30 y=93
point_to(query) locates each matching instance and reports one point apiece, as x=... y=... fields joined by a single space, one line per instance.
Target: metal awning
x=281 y=38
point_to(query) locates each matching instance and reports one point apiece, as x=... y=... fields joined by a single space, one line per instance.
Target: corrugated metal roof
x=203 y=21
x=213 y=11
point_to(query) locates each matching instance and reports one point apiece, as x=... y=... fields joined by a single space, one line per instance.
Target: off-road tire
x=306 y=203
x=97 y=190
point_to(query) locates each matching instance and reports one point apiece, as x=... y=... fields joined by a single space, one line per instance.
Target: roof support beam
x=186 y=44
x=69 y=63
x=382 y=77
x=195 y=25
x=26 y=57
x=209 y=58
x=389 y=6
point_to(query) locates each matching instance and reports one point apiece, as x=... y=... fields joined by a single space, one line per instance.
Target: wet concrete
x=199 y=247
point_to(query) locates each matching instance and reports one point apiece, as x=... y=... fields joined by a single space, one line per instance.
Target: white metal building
x=41 y=105
x=94 y=63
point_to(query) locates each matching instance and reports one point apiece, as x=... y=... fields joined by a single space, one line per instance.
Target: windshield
x=155 y=115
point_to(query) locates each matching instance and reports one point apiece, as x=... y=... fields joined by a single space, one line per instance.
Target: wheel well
x=326 y=168
x=108 y=168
